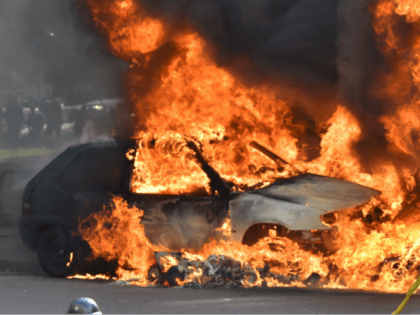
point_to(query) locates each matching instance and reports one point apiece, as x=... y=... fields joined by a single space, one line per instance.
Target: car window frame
x=125 y=172
x=166 y=195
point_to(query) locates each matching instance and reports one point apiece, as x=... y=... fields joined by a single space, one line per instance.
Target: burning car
x=84 y=178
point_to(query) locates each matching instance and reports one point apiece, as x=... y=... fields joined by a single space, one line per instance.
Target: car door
x=190 y=217
x=90 y=180
x=181 y=221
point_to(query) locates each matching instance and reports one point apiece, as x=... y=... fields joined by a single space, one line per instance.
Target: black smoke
x=55 y=43
x=289 y=39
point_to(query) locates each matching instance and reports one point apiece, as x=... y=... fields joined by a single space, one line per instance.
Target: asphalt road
x=41 y=294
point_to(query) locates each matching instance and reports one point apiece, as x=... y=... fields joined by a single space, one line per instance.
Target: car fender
x=297 y=203
x=30 y=228
x=248 y=209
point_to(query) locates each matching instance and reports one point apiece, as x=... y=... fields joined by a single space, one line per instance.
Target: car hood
x=318 y=192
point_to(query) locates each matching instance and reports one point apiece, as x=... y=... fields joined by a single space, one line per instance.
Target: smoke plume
x=294 y=41
x=54 y=45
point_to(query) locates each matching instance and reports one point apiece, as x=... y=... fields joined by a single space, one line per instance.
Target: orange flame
x=131 y=31
x=409 y=8
x=119 y=235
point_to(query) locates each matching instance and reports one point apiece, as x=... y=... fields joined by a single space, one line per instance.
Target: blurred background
x=58 y=81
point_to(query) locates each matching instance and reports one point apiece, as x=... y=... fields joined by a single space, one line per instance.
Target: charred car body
x=83 y=179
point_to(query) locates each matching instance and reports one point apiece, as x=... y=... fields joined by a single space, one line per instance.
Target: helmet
x=84 y=305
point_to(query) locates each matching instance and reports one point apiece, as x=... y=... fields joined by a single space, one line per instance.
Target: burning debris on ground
x=215 y=272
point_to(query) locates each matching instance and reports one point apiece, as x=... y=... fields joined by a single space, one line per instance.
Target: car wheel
x=54 y=252
x=155 y=275
x=173 y=275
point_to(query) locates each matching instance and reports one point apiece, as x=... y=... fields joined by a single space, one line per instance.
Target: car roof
x=112 y=142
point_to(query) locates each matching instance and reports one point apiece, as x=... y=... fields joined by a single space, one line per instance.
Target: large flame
x=193 y=98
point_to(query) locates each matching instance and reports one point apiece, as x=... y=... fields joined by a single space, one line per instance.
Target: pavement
x=15 y=256
x=38 y=294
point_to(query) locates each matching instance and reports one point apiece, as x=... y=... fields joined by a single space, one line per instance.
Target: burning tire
x=155 y=275
x=55 y=253
x=173 y=275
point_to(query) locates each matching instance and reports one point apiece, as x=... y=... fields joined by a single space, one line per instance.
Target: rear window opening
x=168 y=167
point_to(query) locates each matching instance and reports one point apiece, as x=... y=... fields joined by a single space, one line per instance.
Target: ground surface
x=25 y=288
x=40 y=294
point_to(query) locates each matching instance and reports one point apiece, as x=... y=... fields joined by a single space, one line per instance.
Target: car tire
x=155 y=276
x=172 y=275
x=54 y=252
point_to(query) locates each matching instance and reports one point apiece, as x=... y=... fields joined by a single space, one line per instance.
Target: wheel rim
x=58 y=250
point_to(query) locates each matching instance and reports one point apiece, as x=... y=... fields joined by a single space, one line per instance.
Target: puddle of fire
x=197 y=99
x=92 y=277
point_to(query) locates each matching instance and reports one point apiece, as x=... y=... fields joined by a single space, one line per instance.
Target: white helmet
x=84 y=305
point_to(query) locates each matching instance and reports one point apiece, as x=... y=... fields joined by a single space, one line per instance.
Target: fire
x=131 y=32
x=119 y=235
x=160 y=160
x=186 y=101
x=403 y=128
x=409 y=8
x=71 y=260
x=192 y=98
x=91 y=277
x=337 y=159
x=226 y=229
